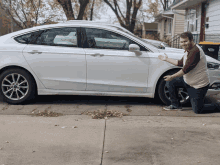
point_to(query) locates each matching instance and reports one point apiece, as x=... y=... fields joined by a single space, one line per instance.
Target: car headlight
x=212 y=65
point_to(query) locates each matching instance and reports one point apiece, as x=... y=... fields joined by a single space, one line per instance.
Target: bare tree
x=127 y=19
x=27 y=13
x=164 y=3
x=148 y=11
x=68 y=8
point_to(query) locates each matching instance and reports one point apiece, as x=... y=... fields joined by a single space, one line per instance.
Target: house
x=202 y=18
x=146 y=30
x=170 y=23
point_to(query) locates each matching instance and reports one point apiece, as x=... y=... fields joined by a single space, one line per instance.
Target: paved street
x=147 y=136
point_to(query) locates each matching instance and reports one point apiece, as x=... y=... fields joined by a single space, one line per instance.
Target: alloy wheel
x=182 y=94
x=15 y=86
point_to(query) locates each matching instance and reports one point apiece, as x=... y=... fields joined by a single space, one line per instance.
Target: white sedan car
x=86 y=58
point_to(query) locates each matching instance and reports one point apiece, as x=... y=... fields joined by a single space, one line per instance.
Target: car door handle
x=35 y=51
x=97 y=54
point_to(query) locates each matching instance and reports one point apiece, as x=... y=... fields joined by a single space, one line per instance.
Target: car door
x=110 y=66
x=57 y=59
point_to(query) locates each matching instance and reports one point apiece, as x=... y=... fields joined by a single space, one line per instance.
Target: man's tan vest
x=199 y=76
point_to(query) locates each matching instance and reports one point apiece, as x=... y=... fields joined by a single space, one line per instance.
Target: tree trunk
x=91 y=14
x=83 y=4
x=126 y=21
x=134 y=15
x=67 y=8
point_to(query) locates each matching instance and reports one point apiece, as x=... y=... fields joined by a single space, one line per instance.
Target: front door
x=57 y=60
x=111 y=67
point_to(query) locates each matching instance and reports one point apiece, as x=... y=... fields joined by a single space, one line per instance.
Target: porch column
x=162 y=30
x=202 y=25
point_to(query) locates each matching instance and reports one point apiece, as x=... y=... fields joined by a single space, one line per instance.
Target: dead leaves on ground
x=104 y=114
x=47 y=113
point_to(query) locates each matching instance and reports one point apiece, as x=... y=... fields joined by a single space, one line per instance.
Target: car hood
x=178 y=54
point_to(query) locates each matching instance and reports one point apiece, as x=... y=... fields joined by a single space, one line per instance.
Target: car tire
x=164 y=94
x=17 y=86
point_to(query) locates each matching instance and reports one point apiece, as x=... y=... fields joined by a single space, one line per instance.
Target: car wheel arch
x=19 y=67
x=156 y=96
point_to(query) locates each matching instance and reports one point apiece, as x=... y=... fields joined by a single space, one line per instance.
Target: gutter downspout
x=174 y=11
x=167 y=16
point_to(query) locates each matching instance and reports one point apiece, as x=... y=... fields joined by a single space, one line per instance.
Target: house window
x=165 y=26
x=159 y=26
x=196 y=18
x=191 y=20
x=170 y=26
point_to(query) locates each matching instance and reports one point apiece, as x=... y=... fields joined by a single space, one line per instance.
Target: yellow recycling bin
x=211 y=49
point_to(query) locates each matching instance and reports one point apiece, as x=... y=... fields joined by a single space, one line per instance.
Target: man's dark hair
x=187 y=35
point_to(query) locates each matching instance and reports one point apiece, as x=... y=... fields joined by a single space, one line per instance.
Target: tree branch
x=115 y=11
x=163 y=4
x=38 y=10
x=120 y=12
x=91 y=14
x=22 y=9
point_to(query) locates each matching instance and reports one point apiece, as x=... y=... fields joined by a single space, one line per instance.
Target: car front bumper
x=211 y=92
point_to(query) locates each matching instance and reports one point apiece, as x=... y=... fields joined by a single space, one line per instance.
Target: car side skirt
x=93 y=93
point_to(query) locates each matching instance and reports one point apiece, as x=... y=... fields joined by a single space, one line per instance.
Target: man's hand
x=163 y=58
x=168 y=78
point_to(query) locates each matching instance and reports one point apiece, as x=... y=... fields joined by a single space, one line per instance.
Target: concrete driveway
x=148 y=135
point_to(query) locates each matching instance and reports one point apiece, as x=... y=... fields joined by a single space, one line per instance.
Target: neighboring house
x=202 y=18
x=6 y=25
x=170 y=23
x=149 y=29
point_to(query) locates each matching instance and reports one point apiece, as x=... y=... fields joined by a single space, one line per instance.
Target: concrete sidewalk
x=27 y=140
x=130 y=140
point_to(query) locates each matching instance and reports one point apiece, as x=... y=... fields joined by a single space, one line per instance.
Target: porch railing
x=175 y=41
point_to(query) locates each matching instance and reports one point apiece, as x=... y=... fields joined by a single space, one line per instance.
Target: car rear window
x=27 y=38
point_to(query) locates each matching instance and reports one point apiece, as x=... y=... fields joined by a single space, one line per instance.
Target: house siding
x=213 y=13
x=179 y=22
x=212 y=33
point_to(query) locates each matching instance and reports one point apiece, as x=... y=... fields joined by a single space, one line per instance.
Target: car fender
x=16 y=59
x=157 y=70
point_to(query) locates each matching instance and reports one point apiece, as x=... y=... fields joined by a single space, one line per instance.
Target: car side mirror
x=135 y=48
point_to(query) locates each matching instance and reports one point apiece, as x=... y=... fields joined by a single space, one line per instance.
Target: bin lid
x=209 y=43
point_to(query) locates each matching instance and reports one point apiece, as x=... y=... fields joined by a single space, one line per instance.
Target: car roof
x=77 y=23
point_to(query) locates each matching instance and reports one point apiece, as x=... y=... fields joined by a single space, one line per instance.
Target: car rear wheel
x=17 y=86
x=164 y=95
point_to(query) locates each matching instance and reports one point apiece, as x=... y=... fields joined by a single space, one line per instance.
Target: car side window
x=103 y=39
x=27 y=38
x=58 y=37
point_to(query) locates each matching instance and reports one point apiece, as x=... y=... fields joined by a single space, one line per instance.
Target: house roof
x=183 y=4
x=151 y=26
x=166 y=13
x=174 y=3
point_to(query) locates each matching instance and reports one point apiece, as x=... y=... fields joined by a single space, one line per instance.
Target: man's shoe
x=172 y=108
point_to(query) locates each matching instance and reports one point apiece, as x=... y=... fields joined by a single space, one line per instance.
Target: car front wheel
x=17 y=86
x=165 y=96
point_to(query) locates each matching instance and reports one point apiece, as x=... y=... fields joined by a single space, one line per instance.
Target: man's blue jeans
x=196 y=96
